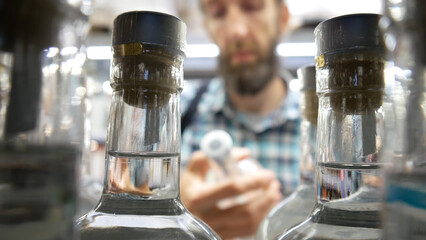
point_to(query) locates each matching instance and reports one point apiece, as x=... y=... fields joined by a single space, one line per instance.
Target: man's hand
x=256 y=194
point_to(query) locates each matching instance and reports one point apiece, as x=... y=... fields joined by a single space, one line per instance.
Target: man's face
x=246 y=32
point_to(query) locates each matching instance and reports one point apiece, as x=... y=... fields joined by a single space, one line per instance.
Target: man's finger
x=243 y=220
x=199 y=164
x=240 y=153
x=231 y=188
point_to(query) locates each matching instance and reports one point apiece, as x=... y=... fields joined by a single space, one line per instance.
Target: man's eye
x=252 y=5
x=216 y=12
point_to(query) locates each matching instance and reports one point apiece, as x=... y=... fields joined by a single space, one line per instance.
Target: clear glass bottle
x=297 y=207
x=405 y=190
x=350 y=84
x=43 y=112
x=141 y=198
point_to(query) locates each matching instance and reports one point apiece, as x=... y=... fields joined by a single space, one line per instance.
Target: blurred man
x=251 y=100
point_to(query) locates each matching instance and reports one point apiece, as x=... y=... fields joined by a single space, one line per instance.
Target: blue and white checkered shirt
x=273 y=140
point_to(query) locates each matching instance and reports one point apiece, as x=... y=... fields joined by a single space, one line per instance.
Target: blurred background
x=296 y=49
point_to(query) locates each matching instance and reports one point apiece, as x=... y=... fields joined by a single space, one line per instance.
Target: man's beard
x=249 y=79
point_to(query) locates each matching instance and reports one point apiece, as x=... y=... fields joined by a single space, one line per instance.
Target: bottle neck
x=350 y=127
x=308 y=132
x=148 y=176
x=143 y=145
x=348 y=146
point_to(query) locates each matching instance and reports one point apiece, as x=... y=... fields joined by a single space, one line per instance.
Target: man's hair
x=202 y=7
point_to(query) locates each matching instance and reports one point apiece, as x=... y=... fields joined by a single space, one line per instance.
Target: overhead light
x=52 y=52
x=69 y=51
x=307 y=49
x=99 y=53
x=202 y=50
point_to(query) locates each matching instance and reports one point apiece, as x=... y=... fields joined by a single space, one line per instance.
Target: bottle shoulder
x=289 y=212
x=151 y=219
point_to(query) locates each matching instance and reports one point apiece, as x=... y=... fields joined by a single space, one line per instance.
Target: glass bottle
x=405 y=190
x=217 y=145
x=296 y=207
x=42 y=115
x=140 y=199
x=350 y=84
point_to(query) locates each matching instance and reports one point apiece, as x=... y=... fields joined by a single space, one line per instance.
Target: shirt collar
x=288 y=109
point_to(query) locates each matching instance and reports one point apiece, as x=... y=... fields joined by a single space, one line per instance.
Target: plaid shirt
x=273 y=140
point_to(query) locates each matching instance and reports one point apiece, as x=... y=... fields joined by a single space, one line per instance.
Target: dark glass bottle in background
x=141 y=199
x=42 y=116
x=404 y=215
x=298 y=205
x=350 y=84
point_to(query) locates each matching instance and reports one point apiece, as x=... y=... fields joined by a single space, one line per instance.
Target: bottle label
x=127 y=49
x=319 y=61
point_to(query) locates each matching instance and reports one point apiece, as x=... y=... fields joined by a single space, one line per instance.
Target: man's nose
x=236 y=23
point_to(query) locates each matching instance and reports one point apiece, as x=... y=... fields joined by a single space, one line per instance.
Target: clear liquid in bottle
x=353 y=189
x=148 y=208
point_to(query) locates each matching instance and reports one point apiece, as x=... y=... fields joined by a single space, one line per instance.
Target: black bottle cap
x=149 y=28
x=349 y=33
